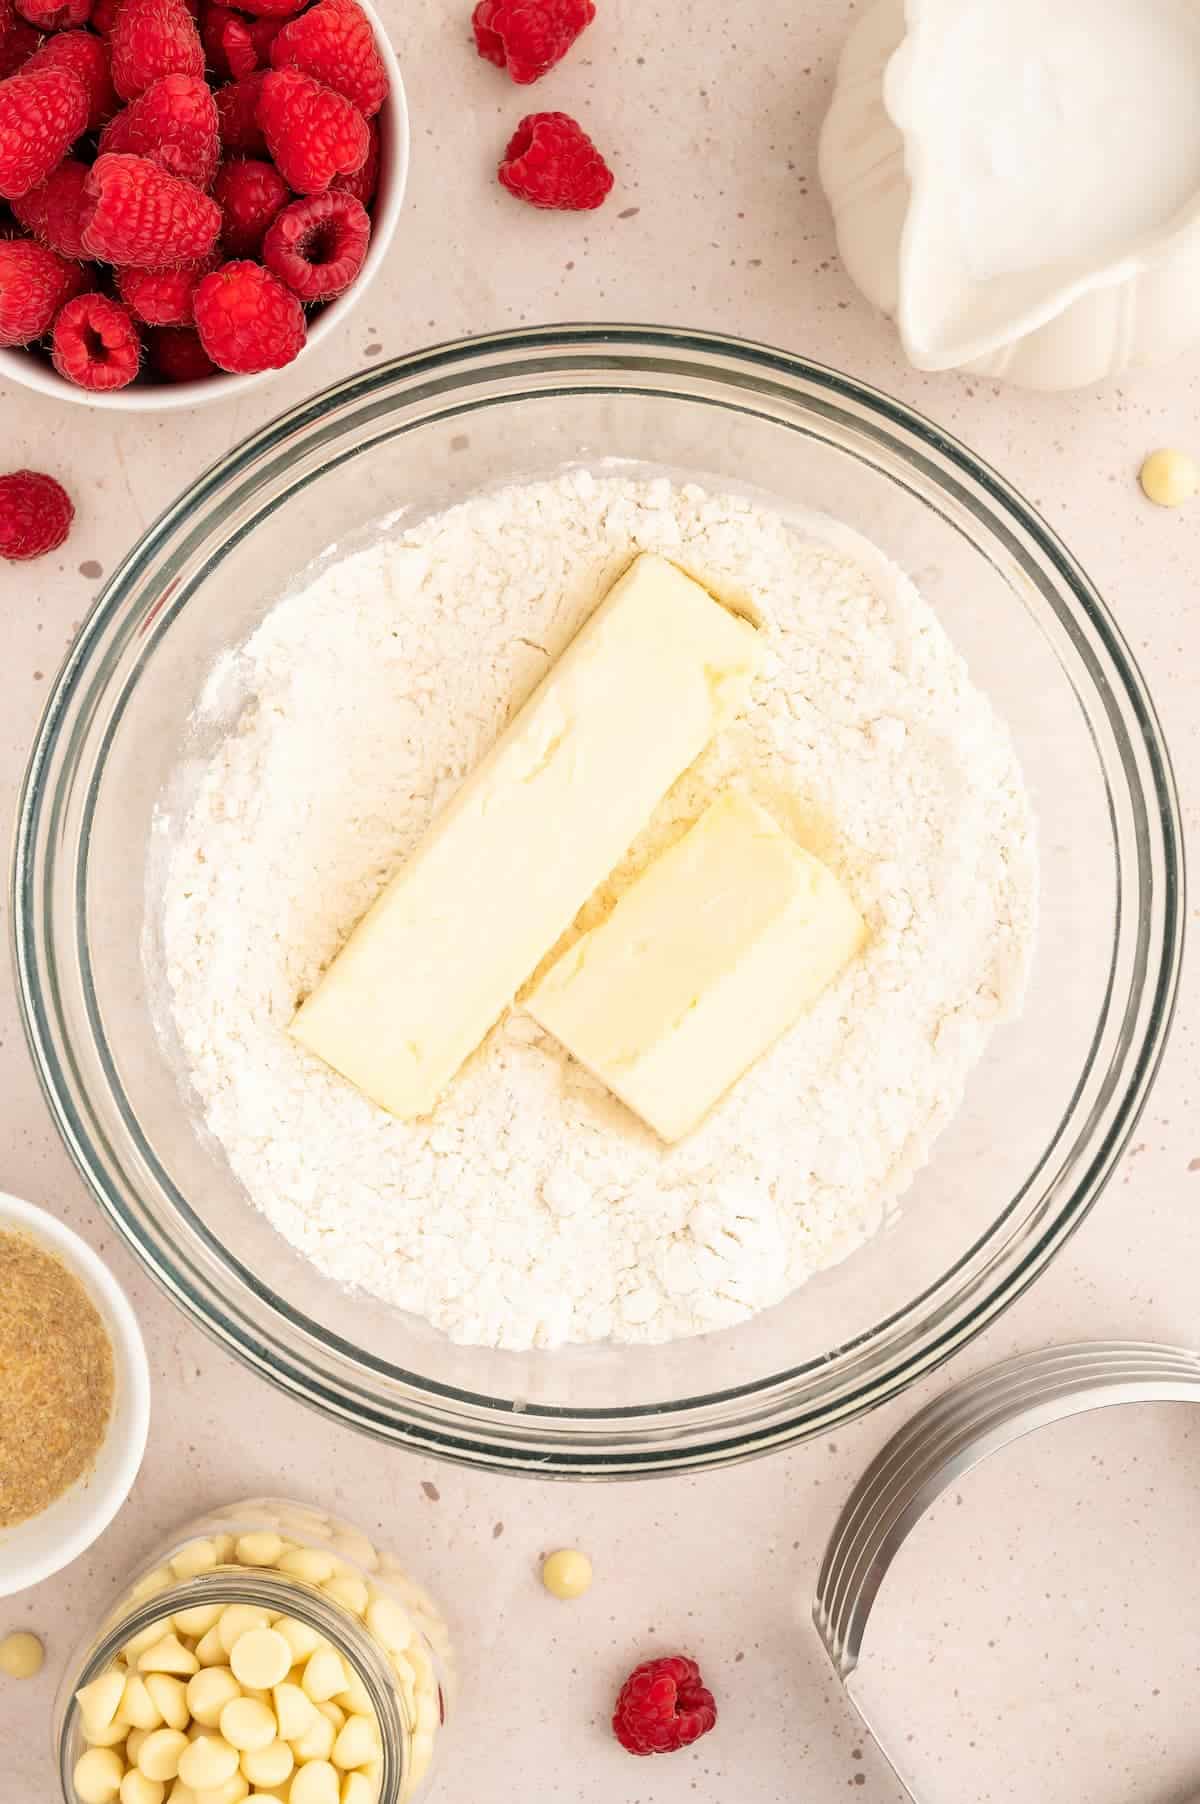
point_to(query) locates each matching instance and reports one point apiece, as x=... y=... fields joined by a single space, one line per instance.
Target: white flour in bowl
x=532 y=1209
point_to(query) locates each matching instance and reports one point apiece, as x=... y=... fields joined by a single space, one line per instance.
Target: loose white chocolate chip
x=137 y=1707
x=210 y=1650
x=324 y=1675
x=97 y=1776
x=293 y=1710
x=309 y=1564
x=168 y=1655
x=567 y=1573
x=1169 y=478
x=196 y=1557
x=348 y=1591
x=137 y=1789
x=207 y=1762
x=316 y=1783
x=247 y=1725
x=197 y=1619
x=209 y=1692
x=238 y=1620
x=260 y=1658
x=317 y=1741
x=159 y=1755
x=357 y=1742
x=99 y=1701
x=170 y=1699
x=302 y=1640
x=21 y=1655
x=262 y=1549
x=233 y=1791
x=390 y=1623
x=268 y=1766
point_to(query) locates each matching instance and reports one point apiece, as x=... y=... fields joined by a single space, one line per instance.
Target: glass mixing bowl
x=1048 y=1110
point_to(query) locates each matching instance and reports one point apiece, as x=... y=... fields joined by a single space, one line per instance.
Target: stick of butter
x=711 y=955
x=657 y=670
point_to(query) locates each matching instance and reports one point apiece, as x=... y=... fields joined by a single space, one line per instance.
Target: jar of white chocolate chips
x=266 y=1652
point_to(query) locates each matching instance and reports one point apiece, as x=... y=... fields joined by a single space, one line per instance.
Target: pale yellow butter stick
x=657 y=670
x=704 y=962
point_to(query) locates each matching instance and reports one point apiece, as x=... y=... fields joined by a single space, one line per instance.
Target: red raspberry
x=85 y=55
x=35 y=514
x=134 y=212
x=271 y=9
x=18 y=41
x=41 y=115
x=152 y=38
x=551 y=162
x=34 y=283
x=318 y=244
x=236 y=47
x=663 y=1706
x=333 y=42
x=174 y=123
x=527 y=37
x=312 y=133
x=249 y=194
x=363 y=183
x=176 y=355
x=161 y=297
x=52 y=211
x=237 y=110
x=96 y=343
x=48 y=15
x=104 y=13
x=247 y=319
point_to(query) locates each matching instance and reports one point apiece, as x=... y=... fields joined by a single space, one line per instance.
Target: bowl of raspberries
x=190 y=193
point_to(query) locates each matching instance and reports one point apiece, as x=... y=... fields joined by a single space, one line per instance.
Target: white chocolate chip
x=97 y=1776
x=357 y=1742
x=196 y=1620
x=137 y=1789
x=238 y=1620
x=194 y=1558
x=333 y=1713
x=311 y=1564
x=293 y=1710
x=357 y=1789
x=170 y=1699
x=420 y=1753
x=137 y=1707
x=302 y=1640
x=209 y=1648
x=263 y=1549
x=181 y=1793
x=567 y=1573
x=151 y=1585
x=316 y=1783
x=390 y=1623
x=223 y=1546
x=207 y=1762
x=144 y=1638
x=317 y=1741
x=356 y=1699
x=100 y=1701
x=260 y=1658
x=133 y=1744
x=159 y=1754
x=168 y=1655
x=246 y=1724
x=209 y=1692
x=324 y=1675
x=268 y=1766
x=233 y=1791
x=111 y=1737
x=1169 y=478
x=347 y=1590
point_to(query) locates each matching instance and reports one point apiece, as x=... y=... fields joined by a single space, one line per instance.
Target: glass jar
x=317 y=1581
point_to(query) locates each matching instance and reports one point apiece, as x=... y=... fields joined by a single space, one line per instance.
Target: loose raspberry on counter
x=34 y=283
x=363 y=183
x=237 y=111
x=35 y=514
x=247 y=320
x=174 y=123
x=312 y=133
x=134 y=212
x=41 y=115
x=176 y=355
x=96 y=343
x=53 y=210
x=663 y=1705
x=54 y=15
x=551 y=162
x=249 y=193
x=150 y=39
x=334 y=43
x=527 y=37
x=317 y=245
x=161 y=297
x=86 y=56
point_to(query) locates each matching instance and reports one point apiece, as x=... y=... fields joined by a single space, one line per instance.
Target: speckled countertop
x=710 y=114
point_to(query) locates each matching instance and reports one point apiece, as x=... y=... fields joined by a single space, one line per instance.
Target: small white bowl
x=45 y=1543
x=22 y=366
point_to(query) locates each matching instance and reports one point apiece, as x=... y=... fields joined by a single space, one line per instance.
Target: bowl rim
x=17 y=366
x=133 y=1372
x=755 y=1416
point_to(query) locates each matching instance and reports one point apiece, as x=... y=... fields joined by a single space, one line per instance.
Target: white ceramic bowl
x=30 y=370
x=47 y=1542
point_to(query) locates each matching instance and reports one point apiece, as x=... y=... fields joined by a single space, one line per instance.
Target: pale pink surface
x=716 y=221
